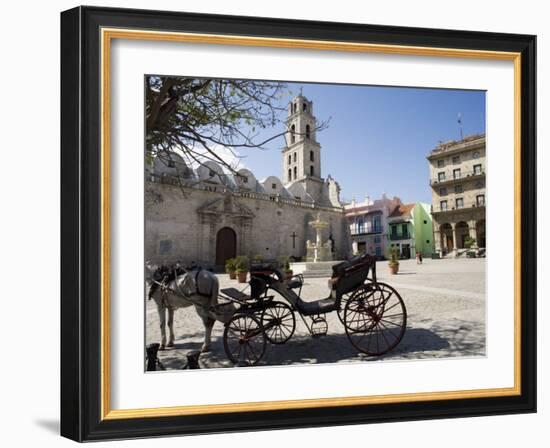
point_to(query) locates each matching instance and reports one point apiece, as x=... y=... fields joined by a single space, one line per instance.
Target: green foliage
x=469 y=242
x=393 y=256
x=241 y=263
x=197 y=115
x=230 y=265
x=284 y=261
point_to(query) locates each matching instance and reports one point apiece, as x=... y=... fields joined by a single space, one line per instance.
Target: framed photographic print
x=273 y=223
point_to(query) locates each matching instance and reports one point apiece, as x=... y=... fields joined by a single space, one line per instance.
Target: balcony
x=364 y=230
x=480 y=204
x=397 y=237
x=455 y=178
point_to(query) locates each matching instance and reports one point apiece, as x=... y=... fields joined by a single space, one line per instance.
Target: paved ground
x=445 y=302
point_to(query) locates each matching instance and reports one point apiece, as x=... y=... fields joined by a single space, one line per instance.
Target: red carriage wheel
x=244 y=340
x=279 y=322
x=375 y=319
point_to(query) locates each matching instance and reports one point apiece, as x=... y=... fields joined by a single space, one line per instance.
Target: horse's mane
x=165 y=273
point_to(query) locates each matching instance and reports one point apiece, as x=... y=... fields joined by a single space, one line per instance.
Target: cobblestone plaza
x=445 y=302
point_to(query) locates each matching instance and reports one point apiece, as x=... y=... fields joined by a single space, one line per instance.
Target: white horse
x=198 y=288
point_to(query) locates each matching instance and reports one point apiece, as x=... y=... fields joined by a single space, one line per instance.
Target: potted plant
x=285 y=264
x=230 y=268
x=393 y=262
x=241 y=267
x=470 y=244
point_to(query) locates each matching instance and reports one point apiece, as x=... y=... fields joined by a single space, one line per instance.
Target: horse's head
x=150 y=269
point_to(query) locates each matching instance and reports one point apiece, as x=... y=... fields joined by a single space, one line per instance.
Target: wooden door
x=226 y=245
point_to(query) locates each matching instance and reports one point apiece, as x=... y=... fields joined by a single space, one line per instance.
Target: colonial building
x=206 y=215
x=367 y=222
x=457 y=179
x=410 y=230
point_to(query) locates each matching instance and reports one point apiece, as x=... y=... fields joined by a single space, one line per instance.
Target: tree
x=197 y=115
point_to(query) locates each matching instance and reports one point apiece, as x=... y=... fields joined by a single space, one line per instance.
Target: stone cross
x=293 y=236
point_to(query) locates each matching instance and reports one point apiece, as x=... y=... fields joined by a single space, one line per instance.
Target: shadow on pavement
x=441 y=340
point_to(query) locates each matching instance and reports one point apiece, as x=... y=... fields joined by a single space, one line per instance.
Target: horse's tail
x=215 y=290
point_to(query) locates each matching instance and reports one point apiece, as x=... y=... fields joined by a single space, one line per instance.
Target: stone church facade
x=205 y=215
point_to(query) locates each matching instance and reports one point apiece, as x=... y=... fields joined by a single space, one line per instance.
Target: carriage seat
x=235 y=294
x=294 y=283
x=317 y=307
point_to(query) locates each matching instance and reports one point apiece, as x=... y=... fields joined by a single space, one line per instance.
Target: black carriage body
x=350 y=275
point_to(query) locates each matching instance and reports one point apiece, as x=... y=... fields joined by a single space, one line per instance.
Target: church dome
x=245 y=180
x=211 y=172
x=169 y=163
x=298 y=191
x=273 y=185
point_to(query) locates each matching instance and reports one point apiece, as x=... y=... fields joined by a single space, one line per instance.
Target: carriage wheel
x=279 y=322
x=244 y=340
x=375 y=319
x=346 y=298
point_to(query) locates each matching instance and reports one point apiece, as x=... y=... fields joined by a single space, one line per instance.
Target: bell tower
x=302 y=153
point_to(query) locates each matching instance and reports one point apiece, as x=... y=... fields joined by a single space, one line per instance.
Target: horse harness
x=165 y=288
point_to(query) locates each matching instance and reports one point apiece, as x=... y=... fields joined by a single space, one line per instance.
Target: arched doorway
x=480 y=232
x=462 y=232
x=446 y=232
x=226 y=245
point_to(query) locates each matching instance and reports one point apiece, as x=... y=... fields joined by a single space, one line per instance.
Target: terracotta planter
x=241 y=276
x=232 y=275
x=394 y=269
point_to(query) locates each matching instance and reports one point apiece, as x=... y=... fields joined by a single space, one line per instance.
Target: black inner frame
x=80 y=223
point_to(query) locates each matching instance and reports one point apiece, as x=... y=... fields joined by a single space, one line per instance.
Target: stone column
x=454 y=236
x=472 y=229
x=437 y=240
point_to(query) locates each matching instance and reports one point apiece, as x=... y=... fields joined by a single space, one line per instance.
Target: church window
x=311 y=157
x=295 y=107
x=274 y=186
x=307 y=130
x=294 y=157
x=311 y=171
x=304 y=107
x=292 y=135
x=289 y=159
x=289 y=174
x=165 y=247
x=295 y=172
x=171 y=164
x=245 y=180
x=211 y=173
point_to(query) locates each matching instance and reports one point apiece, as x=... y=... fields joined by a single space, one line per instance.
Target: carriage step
x=319 y=326
x=318 y=335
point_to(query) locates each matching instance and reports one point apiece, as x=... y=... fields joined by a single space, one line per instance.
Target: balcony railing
x=455 y=177
x=396 y=237
x=365 y=230
x=479 y=204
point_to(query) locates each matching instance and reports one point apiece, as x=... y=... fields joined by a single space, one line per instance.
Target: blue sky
x=378 y=137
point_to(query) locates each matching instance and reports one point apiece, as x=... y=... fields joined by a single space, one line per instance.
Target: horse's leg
x=207 y=320
x=208 y=323
x=162 y=318
x=171 y=326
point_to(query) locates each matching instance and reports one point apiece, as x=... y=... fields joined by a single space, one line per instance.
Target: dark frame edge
x=80 y=217
x=529 y=222
x=71 y=328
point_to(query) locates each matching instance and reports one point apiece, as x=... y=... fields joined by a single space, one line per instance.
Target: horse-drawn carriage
x=373 y=313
